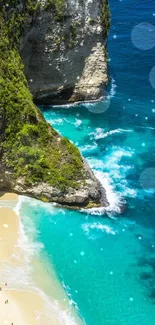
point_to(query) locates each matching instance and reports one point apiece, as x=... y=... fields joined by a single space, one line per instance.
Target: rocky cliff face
x=34 y=159
x=64 y=51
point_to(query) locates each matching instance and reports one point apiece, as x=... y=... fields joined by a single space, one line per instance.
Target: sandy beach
x=18 y=307
x=8 y=196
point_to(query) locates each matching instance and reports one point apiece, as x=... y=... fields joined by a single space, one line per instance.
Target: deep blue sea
x=105 y=260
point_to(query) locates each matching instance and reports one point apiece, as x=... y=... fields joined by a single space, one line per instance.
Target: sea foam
x=21 y=272
x=111 y=173
x=101 y=134
x=87 y=227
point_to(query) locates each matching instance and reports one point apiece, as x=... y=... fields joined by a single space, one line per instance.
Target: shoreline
x=71 y=104
x=26 y=302
x=104 y=202
x=6 y=196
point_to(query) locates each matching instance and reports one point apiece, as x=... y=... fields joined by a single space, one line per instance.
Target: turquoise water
x=105 y=259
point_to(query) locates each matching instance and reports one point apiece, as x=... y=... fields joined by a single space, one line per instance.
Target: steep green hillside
x=34 y=159
x=30 y=147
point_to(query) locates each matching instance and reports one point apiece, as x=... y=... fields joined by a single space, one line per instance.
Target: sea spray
x=100 y=134
x=87 y=227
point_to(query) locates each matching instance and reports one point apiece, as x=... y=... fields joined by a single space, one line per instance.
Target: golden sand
x=17 y=307
x=9 y=227
x=25 y=307
x=8 y=196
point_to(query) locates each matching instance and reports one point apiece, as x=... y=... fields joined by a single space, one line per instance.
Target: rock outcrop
x=64 y=51
x=87 y=193
x=34 y=159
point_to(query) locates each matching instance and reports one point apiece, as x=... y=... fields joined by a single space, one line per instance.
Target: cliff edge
x=34 y=159
x=64 y=50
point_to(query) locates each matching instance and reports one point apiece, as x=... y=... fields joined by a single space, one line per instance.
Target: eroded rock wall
x=65 y=59
x=35 y=160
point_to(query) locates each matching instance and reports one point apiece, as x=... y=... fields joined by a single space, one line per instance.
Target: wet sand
x=17 y=307
x=25 y=306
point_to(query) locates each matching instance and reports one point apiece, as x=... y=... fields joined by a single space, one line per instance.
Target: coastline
x=26 y=302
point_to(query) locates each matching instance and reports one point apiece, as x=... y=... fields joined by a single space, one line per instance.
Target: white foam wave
x=146 y=127
x=89 y=147
x=128 y=192
x=18 y=204
x=78 y=123
x=114 y=198
x=65 y=105
x=57 y=121
x=67 y=290
x=112 y=175
x=23 y=255
x=54 y=121
x=100 y=134
x=89 y=103
x=27 y=244
x=113 y=88
x=99 y=226
x=68 y=121
x=109 y=95
x=21 y=272
x=64 y=316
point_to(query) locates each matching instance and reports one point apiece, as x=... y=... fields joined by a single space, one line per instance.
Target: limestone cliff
x=64 y=51
x=34 y=159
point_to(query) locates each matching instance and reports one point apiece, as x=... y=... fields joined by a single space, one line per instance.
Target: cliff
x=34 y=159
x=64 y=50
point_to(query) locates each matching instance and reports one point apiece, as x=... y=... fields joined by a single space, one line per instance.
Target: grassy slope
x=29 y=146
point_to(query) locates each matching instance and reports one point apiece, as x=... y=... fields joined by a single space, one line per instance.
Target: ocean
x=105 y=258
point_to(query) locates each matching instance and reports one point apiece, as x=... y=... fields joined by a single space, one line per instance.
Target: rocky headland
x=62 y=45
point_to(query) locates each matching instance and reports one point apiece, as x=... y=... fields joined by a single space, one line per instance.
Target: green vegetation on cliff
x=58 y=7
x=105 y=15
x=18 y=12
x=30 y=148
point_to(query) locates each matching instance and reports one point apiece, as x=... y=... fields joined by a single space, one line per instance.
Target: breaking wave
x=87 y=227
x=100 y=134
x=112 y=174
